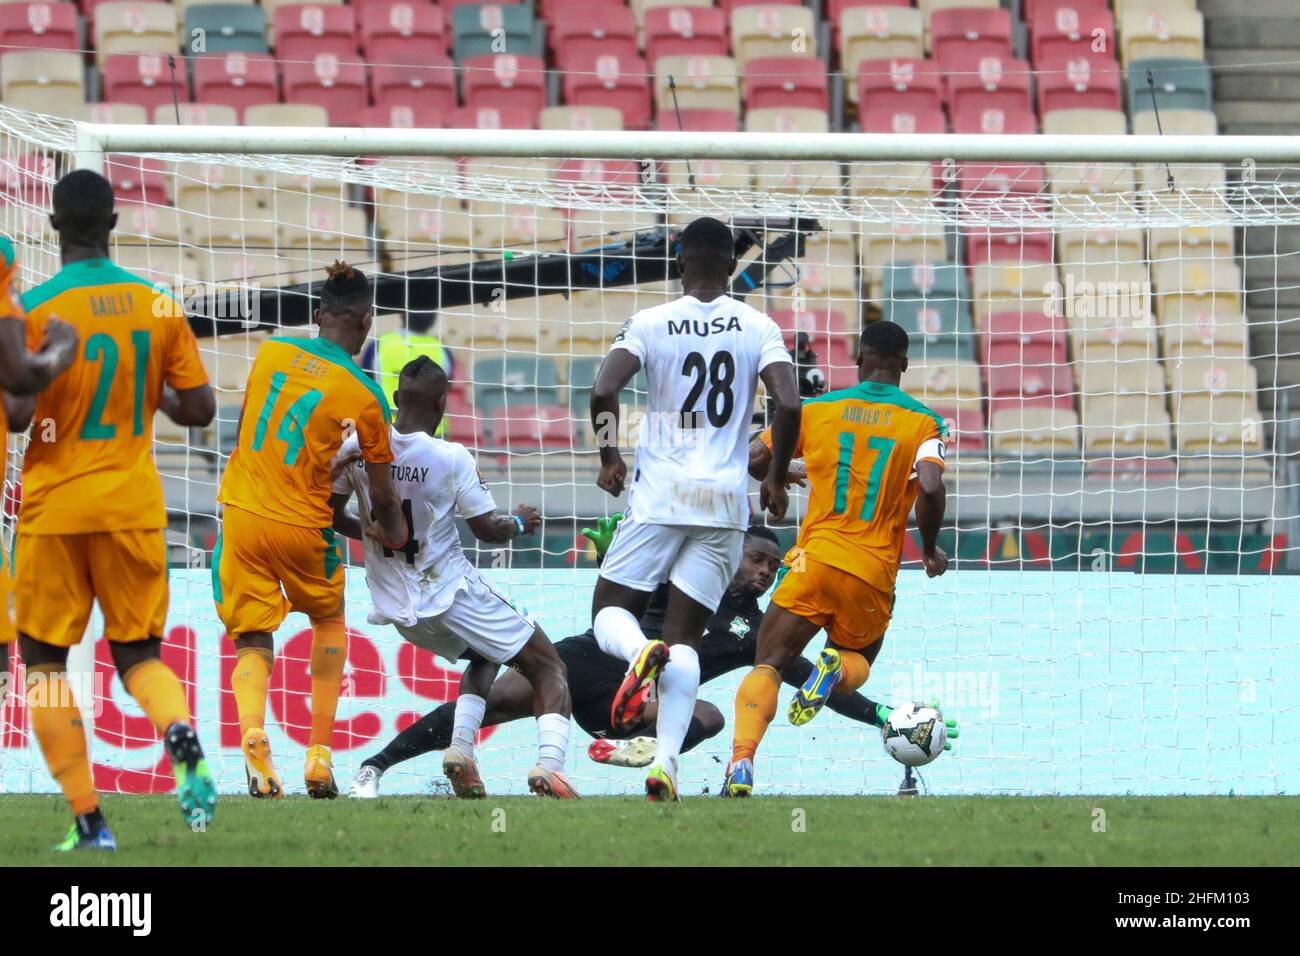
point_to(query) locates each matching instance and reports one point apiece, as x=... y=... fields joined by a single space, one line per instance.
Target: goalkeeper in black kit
x=730 y=643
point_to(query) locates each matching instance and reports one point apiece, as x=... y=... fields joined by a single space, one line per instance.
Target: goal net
x=1110 y=335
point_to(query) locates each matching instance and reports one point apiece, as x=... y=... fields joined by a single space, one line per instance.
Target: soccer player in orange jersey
x=870 y=451
x=93 y=517
x=277 y=550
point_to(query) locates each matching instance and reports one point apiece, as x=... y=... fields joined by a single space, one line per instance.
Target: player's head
x=882 y=352
x=82 y=210
x=345 y=307
x=420 y=322
x=760 y=559
x=421 y=397
x=707 y=253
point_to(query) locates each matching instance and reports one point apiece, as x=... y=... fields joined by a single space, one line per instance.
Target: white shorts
x=700 y=562
x=480 y=619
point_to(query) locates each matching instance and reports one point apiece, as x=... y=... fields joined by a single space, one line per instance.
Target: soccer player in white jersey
x=435 y=597
x=688 y=506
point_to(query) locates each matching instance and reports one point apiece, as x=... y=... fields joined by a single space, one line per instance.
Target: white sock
x=469 y=718
x=552 y=740
x=679 y=683
x=618 y=633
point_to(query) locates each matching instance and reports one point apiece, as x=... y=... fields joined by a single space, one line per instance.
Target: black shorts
x=594 y=678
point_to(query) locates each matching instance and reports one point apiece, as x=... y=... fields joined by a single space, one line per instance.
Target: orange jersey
x=860 y=446
x=304 y=397
x=89 y=465
x=10 y=308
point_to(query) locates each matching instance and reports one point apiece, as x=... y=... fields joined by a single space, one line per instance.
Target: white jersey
x=701 y=361
x=437 y=482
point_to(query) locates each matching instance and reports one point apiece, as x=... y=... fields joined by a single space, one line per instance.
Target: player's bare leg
x=254 y=657
x=540 y=665
x=329 y=655
x=781 y=638
x=458 y=762
x=616 y=611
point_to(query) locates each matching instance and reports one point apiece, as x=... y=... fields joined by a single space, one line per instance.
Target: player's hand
x=935 y=564
x=60 y=342
x=612 y=476
x=773 y=499
x=532 y=518
x=796 y=474
x=342 y=463
x=951 y=723
x=601 y=535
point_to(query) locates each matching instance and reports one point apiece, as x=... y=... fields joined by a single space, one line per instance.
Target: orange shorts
x=58 y=578
x=853 y=612
x=263 y=569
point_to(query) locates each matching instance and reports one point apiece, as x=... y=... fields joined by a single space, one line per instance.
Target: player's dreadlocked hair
x=885 y=339
x=346 y=290
x=764 y=532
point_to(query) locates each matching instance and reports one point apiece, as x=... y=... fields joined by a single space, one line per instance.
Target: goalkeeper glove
x=601 y=535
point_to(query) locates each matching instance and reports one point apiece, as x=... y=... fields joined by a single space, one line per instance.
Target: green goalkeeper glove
x=884 y=710
x=601 y=535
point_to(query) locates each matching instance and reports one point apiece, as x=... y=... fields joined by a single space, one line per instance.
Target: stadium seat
x=136 y=179
x=396 y=116
x=684 y=31
x=1212 y=284
x=1089 y=179
x=1069 y=30
x=427 y=85
x=902 y=84
x=878 y=33
x=521 y=381
x=902 y=241
x=1112 y=373
x=580 y=118
x=423 y=231
x=967 y=432
x=530 y=428
x=490 y=117
x=483 y=29
x=888 y=119
x=134 y=26
x=931 y=301
x=698 y=120
x=702 y=82
x=196 y=114
x=142 y=222
x=1176 y=123
x=578 y=35
x=708 y=173
x=401 y=32
x=1099 y=245
x=1115 y=426
x=994 y=83
x=608 y=80
x=1192 y=242
x=961 y=34
x=304 y=31
x=338 y=86
x=1006 y=244
x=892 y=179
x=951 y=383
x=789 y=81
x=1218 y=424
x=984 y=180
x=1022 y=338
x=1211 y=375
x=1019 y=121
x=1034 y=431
x=772 y=30
x=1033 y=8
x=642 y=8
x=1087 y=122
x=144 y=79
x=285 y=114
x=1000 y=286
x=1175 y=85
x=505 y=81
x=1173 y=34
x=112 y=112
x=1078 y=83
x=39 y=26
x=1121 y=289
x=238 y=80
x=226 y=28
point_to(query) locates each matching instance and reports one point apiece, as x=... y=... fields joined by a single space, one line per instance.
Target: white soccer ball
x=914 y=734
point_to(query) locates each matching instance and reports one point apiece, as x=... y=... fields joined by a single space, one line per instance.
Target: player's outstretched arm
x=392 y=531
x=930 y=503
x=493 y=528
x=778 y=378
x=615 y=372
x=189 y=407
x=26 y=373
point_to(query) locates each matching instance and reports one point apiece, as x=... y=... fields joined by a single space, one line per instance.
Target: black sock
x=88 y=824
x=695 y=735
x=430 y=732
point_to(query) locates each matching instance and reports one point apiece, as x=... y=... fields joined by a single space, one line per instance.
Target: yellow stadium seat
x=1125 y=425
x=1203 y=329
x=879 y=33
x=703 y=82
x=44 y=81
x=1216 y=283
x=1196 y=242
x=891 y=179
x=1084 y=245
x=1212 y=376
x=1086 y=122
x=110 y=113
x=955 y=383
x=1105 y=371
x=639 y=7
x=138 y=222
x=709 y=173
x=900 y=241
x=1121 y=290
x=1152 y=35
x=1229 y=423
x=286 y=114
x=773 y=30
x=134 y=26
x=425 y=231
x=581 y=118
x=1157 y=6
x=1011 y=286
x=1034 y=431
x=171 y=266
x=498 y=227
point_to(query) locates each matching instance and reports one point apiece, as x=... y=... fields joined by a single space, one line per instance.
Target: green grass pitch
x=817 y=831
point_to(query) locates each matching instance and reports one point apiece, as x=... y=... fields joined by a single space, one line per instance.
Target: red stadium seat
x=429 y=84
x=1031 y=8
x=887 y=119
x=1002 y=179
x=698 y=121
x=306 y=30
x=239 y=80
x=137 y=179
x=1017 y=386
x=39 y=26
x=993 y=120
x=961 y=33
x=902 y=84
x=580 y=34
x=401 y=117
x=144 y=79
x=396 y=31
x=601 y=172
x=1066 y=32
x=1078 y=83
x=491 y=117
x=789 y=81
x=1023 y=338
x=995 y=83
x=685 y=31
x=326 y=81
x=1006 y=244
x=729 y=5
x=623 y=83
x=966 y=428
x=504 y=80
x=532 y=428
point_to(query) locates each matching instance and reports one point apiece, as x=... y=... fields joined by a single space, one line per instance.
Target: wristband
x=519 y=524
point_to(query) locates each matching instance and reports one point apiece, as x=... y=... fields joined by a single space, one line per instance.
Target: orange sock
x=755 y=708
x=56 y=719
x=251 y=677
x=158 y=691
x=854 y=671
x=329 y=652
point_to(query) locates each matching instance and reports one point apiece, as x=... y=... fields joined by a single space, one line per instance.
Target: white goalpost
x=1109 y=323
